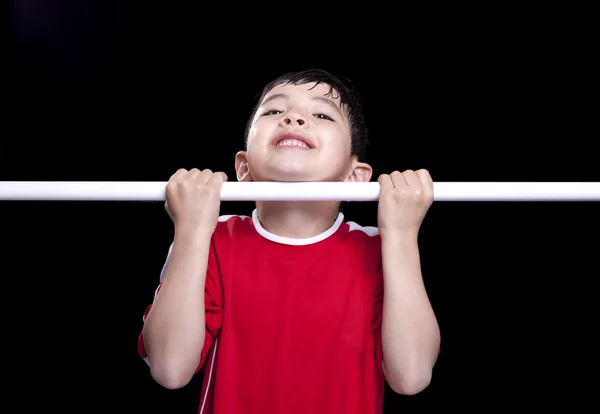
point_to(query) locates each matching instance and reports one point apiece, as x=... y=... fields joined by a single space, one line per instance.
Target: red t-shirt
x=292 y=326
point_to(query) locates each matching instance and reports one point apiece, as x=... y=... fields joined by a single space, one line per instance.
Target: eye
x=323 y=116
x=271 y=112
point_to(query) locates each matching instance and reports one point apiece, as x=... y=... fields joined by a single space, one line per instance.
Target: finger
x=193 y=173
x=411 y=178
x=204 y=176
x=427 y=184
x=398 y=180
x=178 y=175
x=217 y=179
x=425 y=179
x=385 y=183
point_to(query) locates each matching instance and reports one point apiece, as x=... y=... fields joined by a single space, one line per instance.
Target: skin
x=174 y=329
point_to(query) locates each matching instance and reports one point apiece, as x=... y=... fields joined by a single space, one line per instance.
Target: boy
x=301 y=312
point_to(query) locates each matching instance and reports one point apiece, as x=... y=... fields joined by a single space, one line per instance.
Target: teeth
x=292 y=143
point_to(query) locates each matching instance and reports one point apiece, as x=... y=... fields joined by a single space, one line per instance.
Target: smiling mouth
x=292 y=143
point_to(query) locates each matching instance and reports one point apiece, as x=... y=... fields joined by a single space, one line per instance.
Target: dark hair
x=349 y=100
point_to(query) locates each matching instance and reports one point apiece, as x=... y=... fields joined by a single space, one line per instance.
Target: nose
x=293 y=119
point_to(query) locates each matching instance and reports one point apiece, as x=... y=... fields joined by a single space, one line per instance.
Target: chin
x=288 y=175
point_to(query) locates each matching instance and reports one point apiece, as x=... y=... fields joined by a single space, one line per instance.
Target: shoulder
x=367 y=234
x=365 y=239
x=231 y=227
x=361 y=247
x=361 y=234
x=232 y=220
x=363 y=231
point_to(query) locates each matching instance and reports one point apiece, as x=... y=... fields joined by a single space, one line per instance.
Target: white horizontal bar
x=323 y=191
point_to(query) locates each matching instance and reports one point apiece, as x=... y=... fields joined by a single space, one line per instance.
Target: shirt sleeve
x=212 y=301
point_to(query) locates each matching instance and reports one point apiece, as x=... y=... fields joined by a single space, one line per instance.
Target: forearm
x=410 y=332
x=174 y=330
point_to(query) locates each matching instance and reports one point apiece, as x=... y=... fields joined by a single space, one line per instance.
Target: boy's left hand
x=404 y=200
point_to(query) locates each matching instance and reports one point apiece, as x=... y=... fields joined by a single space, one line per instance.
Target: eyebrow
x=316 y=98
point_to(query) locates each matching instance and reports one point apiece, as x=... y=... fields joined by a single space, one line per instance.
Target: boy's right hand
x=194 y=199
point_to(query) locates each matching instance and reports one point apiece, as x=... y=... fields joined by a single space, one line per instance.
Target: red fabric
x=295 y=326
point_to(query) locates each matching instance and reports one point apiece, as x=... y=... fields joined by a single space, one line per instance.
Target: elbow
x=172 y=367
x=173 y=371
x=409 y=381
x=171 y=377
x=410 y=385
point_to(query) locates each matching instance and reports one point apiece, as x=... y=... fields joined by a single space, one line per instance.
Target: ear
x=242 y=171
x=361 y=172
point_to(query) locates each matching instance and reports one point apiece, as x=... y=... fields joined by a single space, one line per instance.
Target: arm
x=410 y=336
x=174 y=330
x=410 y=332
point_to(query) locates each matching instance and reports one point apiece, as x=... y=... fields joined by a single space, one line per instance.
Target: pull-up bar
x=300 y=191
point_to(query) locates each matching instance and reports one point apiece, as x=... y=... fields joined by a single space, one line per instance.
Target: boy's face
x=300 y=133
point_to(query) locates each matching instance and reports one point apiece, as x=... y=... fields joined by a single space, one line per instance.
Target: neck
x=297 y=219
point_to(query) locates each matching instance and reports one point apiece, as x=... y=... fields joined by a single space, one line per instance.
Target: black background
x=132 y=91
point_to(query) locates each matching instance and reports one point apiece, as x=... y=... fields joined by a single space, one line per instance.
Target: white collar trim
x=296 y=242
